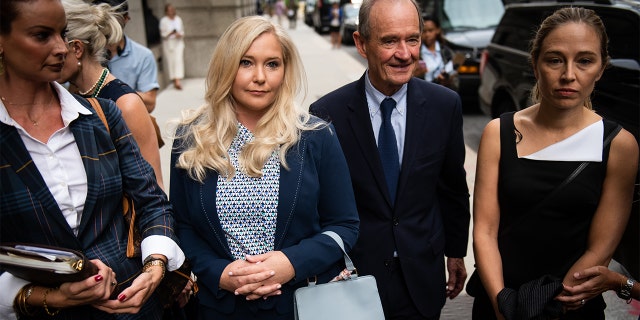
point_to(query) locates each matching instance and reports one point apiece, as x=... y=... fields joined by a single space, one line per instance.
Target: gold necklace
x=97 y=85
x=34 y=122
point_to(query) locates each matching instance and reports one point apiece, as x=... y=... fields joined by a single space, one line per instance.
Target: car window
x=461 y=15
x=622 y=29
x=518 y=27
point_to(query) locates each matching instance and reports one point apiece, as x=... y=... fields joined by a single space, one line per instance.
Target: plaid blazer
x=113 y=165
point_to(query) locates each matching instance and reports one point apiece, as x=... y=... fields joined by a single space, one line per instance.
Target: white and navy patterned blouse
x=247 y=206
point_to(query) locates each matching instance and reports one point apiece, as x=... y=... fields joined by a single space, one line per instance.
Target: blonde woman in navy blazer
x=254 y=75
x=62 y=177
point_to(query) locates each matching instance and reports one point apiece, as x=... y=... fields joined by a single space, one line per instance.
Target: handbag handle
x=347 y=260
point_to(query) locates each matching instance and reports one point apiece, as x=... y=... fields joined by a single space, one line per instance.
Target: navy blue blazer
x=113 y=164
x=315 y=196
x=431 y=215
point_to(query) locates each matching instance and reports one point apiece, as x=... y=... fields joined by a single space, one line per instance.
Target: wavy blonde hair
x=208 y=131
x=97 y=26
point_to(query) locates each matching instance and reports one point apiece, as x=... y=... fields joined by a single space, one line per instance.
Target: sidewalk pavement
x=327 y=69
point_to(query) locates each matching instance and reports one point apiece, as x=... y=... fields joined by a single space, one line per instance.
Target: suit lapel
x=23 y=165
x=209 y=210
x=83 y=132
x=359 y=121
x=413 y=141
x=290 y=183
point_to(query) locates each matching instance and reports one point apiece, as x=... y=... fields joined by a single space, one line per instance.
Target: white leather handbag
x=354 y=298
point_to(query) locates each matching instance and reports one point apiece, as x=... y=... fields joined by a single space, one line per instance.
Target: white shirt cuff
x=10 y=285
x=164 y=246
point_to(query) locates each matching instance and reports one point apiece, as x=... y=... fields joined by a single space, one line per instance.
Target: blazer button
x=395 y=221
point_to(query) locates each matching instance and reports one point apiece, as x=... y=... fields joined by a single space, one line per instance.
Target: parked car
x=349 y=22
x=468 y=26
x=507 y=78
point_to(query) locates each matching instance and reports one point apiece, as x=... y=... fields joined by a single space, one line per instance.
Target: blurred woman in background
x=172 y=33
x=91 y=29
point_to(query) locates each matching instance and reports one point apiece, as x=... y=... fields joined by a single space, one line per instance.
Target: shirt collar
x=71 y=108
x=126 y=49
x=375 y=97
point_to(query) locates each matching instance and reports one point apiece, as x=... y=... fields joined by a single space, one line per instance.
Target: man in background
x=134 y=63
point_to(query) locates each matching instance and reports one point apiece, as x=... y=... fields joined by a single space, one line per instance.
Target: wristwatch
x=625 y=289
x=151 y=262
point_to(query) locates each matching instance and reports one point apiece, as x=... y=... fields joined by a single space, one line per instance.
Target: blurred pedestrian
x=132 y=62
x=84 y=69
x=63 y=178
x=172 y=32
x=135 y=65
x=280 y=10
x=554 y=182
x=402 y=137
x=256 y=180
x=334 y=25
x=436 y=58
x=292 y=13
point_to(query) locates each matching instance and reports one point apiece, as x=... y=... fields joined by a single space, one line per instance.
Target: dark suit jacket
x=431 y=216
x=315 y=195
x=29 y=213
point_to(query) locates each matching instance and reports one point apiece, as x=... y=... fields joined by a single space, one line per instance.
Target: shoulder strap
x=566 y=181
x=96 y=106
x=128 y=208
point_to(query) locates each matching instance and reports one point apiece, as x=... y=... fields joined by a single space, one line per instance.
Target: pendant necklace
x=34 y=122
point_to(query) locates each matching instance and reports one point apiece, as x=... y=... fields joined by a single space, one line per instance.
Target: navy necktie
x=388 y=148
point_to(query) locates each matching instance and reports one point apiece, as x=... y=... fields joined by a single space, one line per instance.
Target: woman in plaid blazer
x=62 y=178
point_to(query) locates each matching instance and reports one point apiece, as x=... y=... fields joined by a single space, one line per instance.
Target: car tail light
x=467 y=69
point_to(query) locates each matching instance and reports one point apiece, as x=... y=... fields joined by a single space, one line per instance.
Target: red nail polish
x=98 y=278
x=122 y=297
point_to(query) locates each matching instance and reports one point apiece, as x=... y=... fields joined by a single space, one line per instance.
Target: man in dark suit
x=406 y=159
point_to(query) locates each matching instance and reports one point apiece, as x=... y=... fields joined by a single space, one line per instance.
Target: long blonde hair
x=210 y=129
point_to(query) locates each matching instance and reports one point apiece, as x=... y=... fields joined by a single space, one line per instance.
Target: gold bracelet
x=44 y=303
x=20 y=305
x=25 y=297
x=154 y=263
